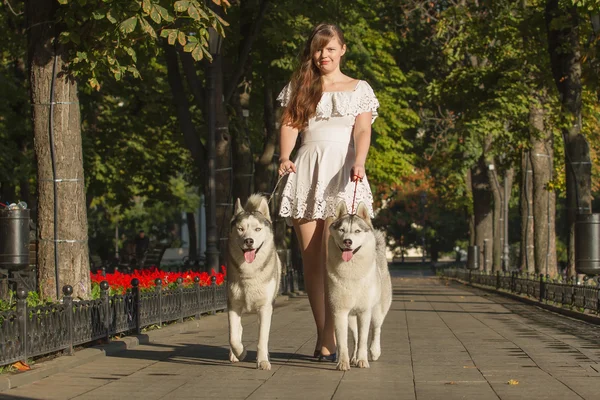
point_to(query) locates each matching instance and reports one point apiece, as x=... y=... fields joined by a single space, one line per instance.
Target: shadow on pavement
x=201 y=354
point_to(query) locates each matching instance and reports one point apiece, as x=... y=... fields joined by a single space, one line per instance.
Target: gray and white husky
x=254 y=273
x=359 y=285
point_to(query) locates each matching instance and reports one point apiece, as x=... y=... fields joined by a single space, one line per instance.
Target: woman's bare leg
x=310 y=236
x=328 y=345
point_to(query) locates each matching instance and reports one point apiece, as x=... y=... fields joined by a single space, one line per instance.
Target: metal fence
x=572 y=293
x=27 y=332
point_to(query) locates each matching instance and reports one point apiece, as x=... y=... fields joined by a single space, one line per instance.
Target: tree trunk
x=595 y=20
x=563 y=46
x=482 y=209
x=47 y=68
x=526 y=204
x=191 y=226
x=544 y=200
x=507 y=184
x=498 y=219
x=470 y=216
x=223 y=167
x=242 y=161
x=191 y=137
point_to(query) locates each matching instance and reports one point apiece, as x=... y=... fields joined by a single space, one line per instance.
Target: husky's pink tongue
x=250 y=255
x=347 y=255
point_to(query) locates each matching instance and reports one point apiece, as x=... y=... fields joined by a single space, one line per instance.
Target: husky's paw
x=343 y=366
x=264 y=365
x=362 y=364
x=232 y=357
x=353 y=361
x=375 y=354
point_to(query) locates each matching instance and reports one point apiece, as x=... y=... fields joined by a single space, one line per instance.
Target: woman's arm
x=362 y=142
x=287 y=141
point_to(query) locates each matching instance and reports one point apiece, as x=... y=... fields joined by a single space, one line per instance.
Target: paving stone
x=439 y=342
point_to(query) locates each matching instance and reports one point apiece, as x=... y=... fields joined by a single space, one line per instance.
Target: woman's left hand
x=357 y=172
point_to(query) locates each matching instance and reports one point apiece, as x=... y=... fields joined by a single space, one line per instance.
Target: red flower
x=119 y=282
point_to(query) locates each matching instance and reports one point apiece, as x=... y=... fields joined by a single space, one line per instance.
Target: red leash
x=354 y=197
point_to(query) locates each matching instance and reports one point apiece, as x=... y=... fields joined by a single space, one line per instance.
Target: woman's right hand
x=286 y=166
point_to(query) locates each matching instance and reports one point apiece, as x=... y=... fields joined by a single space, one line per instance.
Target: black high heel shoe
x=331 y=357
x=317 y=353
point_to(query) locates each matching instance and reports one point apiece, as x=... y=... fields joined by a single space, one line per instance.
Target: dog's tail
x=254 y=202
x=380 y=247
x=257 y=203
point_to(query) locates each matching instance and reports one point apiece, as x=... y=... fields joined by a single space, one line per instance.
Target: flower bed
x=120 y=282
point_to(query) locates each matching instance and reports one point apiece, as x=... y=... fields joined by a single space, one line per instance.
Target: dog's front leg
x=236 y=348
x=264 y=327
x=354 y=329
x=364 y=321
x=340 y=319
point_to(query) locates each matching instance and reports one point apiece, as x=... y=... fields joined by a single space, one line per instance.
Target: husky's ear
x=238 y=207
x=263 y=208
x=341 y=210
x=363 y=212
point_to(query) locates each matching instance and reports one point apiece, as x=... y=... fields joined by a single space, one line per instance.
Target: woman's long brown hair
x=306 y=86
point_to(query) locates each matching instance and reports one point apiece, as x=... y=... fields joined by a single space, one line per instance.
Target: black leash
x=275 y=188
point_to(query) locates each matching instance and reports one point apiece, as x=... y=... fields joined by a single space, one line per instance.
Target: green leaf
x=93 y=82
x=202 y=13
x=221 y=20
x=64 y=37
x=220 y=30
x=172 y=37
x=181 y=38
x=75 y=38
x=128 y=25
x=110 y=17
x=63 y=2
x=134 y=71
x=97 y=15
x=189 y=47
x=131 y=53
x=146 y=6
x=193 y=12
x=181 y=5
x=154 y=14
x=146 y=27
x=197 y=53
x=164 y=13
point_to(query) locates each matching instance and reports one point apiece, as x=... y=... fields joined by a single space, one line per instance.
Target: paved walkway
x=439 y=342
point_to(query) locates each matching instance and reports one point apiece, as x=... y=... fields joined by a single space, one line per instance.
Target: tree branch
x=11 y=9
x=189 y=69
x=244 y=51
x=190 y=135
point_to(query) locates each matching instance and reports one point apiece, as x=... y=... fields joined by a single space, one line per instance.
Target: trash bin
x=587 y=244
x=14 y=238
x=472 y=257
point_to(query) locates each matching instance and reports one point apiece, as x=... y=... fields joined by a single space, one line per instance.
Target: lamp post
x=212 y=239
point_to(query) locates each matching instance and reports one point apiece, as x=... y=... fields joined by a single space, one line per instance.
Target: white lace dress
x=325 y=158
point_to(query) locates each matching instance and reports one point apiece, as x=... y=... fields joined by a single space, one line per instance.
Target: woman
x=333 y=112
